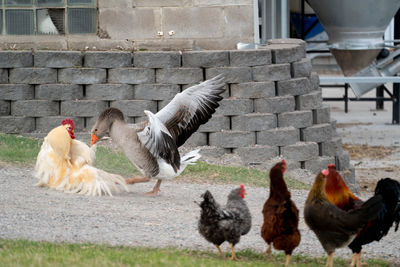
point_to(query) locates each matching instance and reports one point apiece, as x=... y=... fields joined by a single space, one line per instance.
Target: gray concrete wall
x=138 y=24
x=272 y=105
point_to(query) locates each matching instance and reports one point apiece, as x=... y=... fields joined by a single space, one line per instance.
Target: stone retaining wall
x=272 y=105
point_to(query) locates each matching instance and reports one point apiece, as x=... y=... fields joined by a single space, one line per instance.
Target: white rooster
x=66 y=164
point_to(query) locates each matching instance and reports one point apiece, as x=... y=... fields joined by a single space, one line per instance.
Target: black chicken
x=219 y=224
x=389 y=189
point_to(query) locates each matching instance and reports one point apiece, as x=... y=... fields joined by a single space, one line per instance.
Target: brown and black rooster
x=281 y=216
x=339 y=194
x=219 y=224
x=333 y=226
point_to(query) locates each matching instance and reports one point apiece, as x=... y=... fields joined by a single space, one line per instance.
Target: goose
x=152 y=145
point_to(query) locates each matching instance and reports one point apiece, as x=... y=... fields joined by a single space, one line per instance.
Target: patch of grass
x=30 y=253
x=207 y=173
x=18 y=149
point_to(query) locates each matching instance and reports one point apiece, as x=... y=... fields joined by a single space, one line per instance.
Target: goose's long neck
x=118 y=132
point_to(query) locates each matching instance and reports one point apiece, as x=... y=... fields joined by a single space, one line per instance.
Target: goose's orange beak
x=93 y=139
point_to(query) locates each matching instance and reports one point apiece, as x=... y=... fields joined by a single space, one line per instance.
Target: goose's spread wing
x=191 y=108
x=157 y=139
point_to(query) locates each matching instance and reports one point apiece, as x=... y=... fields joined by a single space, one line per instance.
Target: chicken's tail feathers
x=389 y=189
x=191 y=157
x=93 y=182
x=371 y=208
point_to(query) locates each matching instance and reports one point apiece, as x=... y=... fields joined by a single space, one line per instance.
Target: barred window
x=29 y=17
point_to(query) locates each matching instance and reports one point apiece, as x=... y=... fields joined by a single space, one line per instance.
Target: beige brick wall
x=137 y=24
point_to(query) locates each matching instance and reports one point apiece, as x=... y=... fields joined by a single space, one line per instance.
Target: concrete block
x=16 y=91
x=278 y=104
x=318 y=133
x=314 y=80
x=215 y=124
x=311 y=100
x=82 y=75
x=135 y=108
x=300 y=151
x=253 y=89
x=332 y=147
x=5 y=108
x=278 y=136
x=57 y=59
x=16 y=125
x=205 y=59
x=316 y=165
x=220 y=2
x=349 y=176
x=197 y=139
x=233 y=107
x=179 y=75
x=33 y=75
x=287 y=53
x=275 y=72
x=160 y=3
x=297 y=86
x=58 y=91
x=301 y=68
x=3 y=76
x=238 y=20
x=232 y=139
x=322 y=115
x=342 y=160
x=250 y=58
x=159 y=59
x=109 y=91
x=156 y=91
x=231 y=74
x=297 y=119
x=16 y=59
x=46 y=124
x=130 y=23
x=37 y=108
x=213 y=151
x=256 y=154
x=173 y=17
x=334 y=125
x=131 y=75
x=82 y=108
x=254 y=122
x=107 y=59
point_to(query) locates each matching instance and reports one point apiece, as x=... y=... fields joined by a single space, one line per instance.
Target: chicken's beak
x=93 y=139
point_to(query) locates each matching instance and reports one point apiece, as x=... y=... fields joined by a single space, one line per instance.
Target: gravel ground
x=170 y=219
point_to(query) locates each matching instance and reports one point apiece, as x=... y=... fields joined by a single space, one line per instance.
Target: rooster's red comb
x=331 y=166
x=242 y=186
x=325 y=172
x=68 y=121
x=283 y=161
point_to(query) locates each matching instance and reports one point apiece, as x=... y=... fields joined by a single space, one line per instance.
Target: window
x=29 y=17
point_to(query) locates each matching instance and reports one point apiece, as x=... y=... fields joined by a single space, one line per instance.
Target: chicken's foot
x=359 y=263
x=135 y=180
x=220 y=251
x=287 y=260
x=269 y=252
x=155 y=190
x=233 y=253
x=353 y=259
x=329 y=262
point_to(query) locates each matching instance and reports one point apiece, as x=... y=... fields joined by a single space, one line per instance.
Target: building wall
x=155 y=25
x=272 y=104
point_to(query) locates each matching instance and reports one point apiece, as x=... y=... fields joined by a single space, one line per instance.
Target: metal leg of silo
x=346 y=98
x=379 y=93
x=396 y=103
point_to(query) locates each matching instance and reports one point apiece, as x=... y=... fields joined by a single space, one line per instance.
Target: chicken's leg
x=269 y=252
x=287 y=260
x=155 y=190
x=220 y=251
x=359 y=263
x=353 y=259
x=135 y=180
x=233 y=253
x=329 y=262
